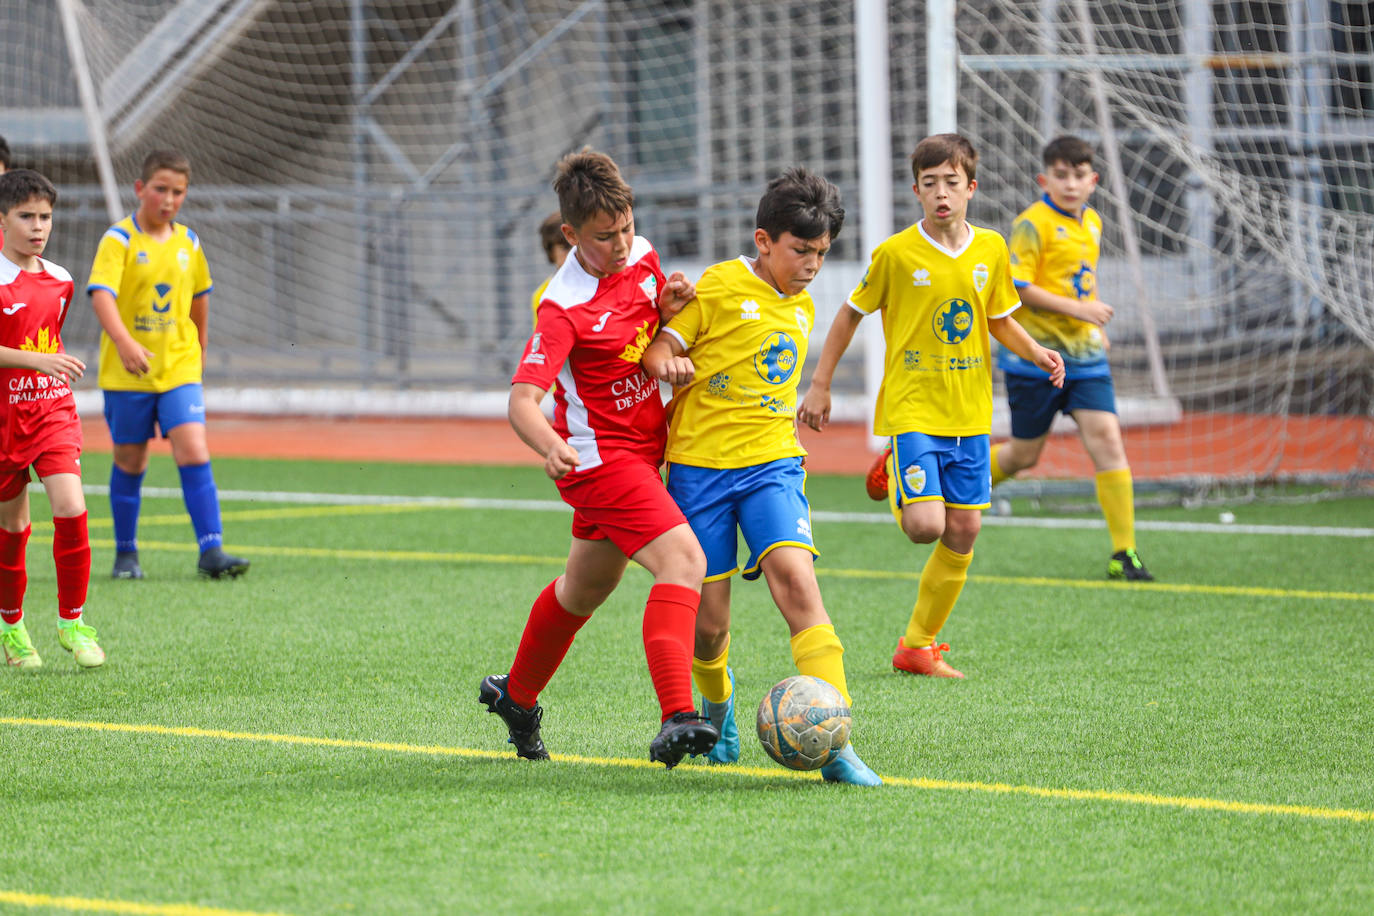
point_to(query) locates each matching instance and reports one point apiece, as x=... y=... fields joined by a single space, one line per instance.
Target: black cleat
x=1125 y=564
x=682 y=734
x=522 y=723
x=126 y=565
x=216 y=564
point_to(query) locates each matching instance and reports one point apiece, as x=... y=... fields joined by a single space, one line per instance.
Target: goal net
x=369 y=178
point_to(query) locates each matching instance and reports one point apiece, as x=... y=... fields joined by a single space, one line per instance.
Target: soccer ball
x=803 y=723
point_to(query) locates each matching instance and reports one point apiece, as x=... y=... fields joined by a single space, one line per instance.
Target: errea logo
x=748 y=310
x=920 y=277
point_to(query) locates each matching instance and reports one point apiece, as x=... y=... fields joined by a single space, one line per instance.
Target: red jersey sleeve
x=547 y=349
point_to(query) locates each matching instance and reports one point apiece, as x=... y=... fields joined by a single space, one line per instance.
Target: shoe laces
x=937 y=648
x=16 y=639
x=81 y=636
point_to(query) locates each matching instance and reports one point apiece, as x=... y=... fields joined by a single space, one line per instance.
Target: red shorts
x=60 y=459
x=623 y=500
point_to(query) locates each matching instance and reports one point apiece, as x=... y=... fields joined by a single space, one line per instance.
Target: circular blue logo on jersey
x=776 y=359
x=953 y=321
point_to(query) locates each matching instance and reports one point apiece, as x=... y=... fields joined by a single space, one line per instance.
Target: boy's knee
x=921 y=531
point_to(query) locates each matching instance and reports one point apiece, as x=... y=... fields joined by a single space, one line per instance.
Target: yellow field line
x=90 y=905
x=939 y=785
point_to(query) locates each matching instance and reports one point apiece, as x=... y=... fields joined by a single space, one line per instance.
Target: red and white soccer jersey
x=589 y=336
x=38 y=412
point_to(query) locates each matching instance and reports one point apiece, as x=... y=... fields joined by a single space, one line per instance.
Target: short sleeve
x=871 y=293
x=107 y=269
x=547 y=349
x=202 y=283
x=689 y=324
x=1025 y=252
x=1004 y=299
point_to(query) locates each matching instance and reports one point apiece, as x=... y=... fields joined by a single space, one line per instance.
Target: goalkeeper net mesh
x=369 y=178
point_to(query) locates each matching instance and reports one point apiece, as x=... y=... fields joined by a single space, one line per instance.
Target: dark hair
x=168 y=159
x=800 y=202
x=4 y=153
x=1069 y=150
x=589 y=183
x=20 y=185
x=941 y=148
x=551 y=234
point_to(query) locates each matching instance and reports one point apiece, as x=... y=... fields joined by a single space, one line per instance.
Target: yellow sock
x=997 y=475
x=710 y=676
x=941 y=582
x=1116 y=493
x=816 y=651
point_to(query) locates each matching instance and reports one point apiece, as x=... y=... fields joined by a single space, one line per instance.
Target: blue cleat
x=850 y=770
x=722 y=716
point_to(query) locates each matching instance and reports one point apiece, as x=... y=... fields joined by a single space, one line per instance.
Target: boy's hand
x=677 y=370
x=134 y=356
x=677 y=292
x=63 y=366
x=1051 y=362
x=814 y=409
x=1095 y=310
x=560 y=460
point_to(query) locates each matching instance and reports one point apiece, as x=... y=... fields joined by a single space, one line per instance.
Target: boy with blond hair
x=942 y=286
x=39 y=422
x=150 y=288
x=603 y=450
x=734 y=461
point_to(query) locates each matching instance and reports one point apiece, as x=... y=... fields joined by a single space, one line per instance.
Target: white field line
x=863 y=518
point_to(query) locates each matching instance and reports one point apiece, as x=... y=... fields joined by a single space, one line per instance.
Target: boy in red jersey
x=38 y=423
x=603 y=449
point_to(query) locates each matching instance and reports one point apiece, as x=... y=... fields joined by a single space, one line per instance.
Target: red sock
x=71 y=554
x=14 y=578
x=670 y=619
x=548 y=634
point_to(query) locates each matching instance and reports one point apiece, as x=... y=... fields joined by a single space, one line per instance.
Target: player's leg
x=130 y=416
x=1034 y=403
x=181 y=416
x=1098 y=426
x=71 y=554
x=594 y=567
x=956 y=469
x=14 y=579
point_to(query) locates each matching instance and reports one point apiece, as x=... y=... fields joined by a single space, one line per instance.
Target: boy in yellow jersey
x=1054 y=249
x=556 y=249
x=942 y=286
x=150 y=287
x=734 y=461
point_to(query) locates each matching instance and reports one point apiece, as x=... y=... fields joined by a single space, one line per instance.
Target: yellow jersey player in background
x=556 y=249
x=150 y=287
x=734 y=462
x=1054 y=249
x=942 y=286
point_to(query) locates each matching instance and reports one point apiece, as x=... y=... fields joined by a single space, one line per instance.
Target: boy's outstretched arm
x=132 y=354
x=1011 y=335
x=664 y=360
x=814 y=409
x=677 y=292
x=534 y=430
x=1093 y=310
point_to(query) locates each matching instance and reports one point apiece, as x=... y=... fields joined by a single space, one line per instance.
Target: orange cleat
x=927 y=661
x=876 y=482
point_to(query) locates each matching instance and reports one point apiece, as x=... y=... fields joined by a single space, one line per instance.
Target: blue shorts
x=1034 y=401
x=954 y=469
x=767 y=502
x=131 y=414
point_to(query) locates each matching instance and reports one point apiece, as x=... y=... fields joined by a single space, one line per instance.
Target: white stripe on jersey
x=571 y=285
x=581 y=436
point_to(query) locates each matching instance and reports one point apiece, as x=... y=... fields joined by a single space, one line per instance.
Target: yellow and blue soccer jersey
x=936 y=303
x=748 y=343
x=153 y=284
x=1057 y=252
x=537 y=298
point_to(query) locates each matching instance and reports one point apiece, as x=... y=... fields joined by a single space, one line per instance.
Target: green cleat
x=1125 y=564
x=79 y=640
x=19 y=650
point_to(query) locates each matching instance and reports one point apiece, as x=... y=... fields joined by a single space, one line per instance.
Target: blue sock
x=124 y=505
x=202 y=501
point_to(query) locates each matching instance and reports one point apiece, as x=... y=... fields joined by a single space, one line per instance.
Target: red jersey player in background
x=38 y=423
x=603 y=450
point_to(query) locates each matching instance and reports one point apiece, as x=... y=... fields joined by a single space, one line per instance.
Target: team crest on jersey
x=776 y=359
x=634 y=351
x=650 y=287
x=748 y=310
x=920 y=277
x=142 y=257
x=46 y=342
x=915 y=478
x=980 y=276
x=534 y=357
x=953 y=320
x=160 y=302
x=184 y=259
